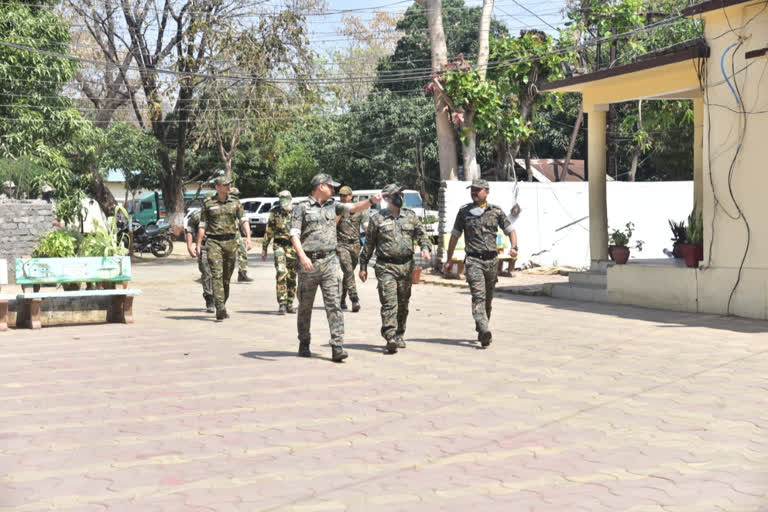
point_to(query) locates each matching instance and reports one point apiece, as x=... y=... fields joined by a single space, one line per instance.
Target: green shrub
x=55 y=244
x=621 y=238
x=103 y=241
x=695 y=229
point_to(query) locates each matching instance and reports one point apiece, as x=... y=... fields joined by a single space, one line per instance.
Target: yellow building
x=726 y=75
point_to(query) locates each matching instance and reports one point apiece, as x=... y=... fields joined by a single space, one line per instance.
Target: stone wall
x=21 y=224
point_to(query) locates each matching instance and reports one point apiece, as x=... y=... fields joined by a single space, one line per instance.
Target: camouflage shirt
x=193 y=225
x=315 y=224
x=393 y=237
x=348 y=228
x=221 y=217
x=278 y=225
x=479 y=226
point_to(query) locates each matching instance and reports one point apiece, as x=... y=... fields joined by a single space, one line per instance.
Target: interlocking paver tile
x=574 y=407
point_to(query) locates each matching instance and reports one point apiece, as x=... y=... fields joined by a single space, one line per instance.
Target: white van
x=411 y=200
x=257 y=212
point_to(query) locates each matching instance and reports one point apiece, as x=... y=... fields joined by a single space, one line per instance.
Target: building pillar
x=698 y=153
x=598 y=204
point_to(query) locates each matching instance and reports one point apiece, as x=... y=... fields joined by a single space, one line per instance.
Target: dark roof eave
x=710 y=5
x=691 y=52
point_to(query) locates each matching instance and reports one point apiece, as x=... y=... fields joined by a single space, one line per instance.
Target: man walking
x=221 y=217
x=348 y=250
x=278 y=232
x=392 y=234
x=242 y=254
x=313 y=235
x=191 y=229
x=479 y=222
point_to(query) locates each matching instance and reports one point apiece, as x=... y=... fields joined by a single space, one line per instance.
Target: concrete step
x=583 y=293
x=589 y=278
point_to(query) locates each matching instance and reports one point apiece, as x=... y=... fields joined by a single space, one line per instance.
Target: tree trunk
x=572 y=144
x=528 y=170
x=446 y=138
x=485 y=29
x=101 y=193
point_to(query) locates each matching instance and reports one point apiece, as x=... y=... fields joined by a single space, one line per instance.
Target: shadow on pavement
x=446 y=341
x=208 y=317
x=379 y=349
x=184 y=310
x=272 y=312
x=272 y=355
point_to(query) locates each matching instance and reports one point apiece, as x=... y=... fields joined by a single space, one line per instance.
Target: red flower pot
x=692 y=254
x=619 y=254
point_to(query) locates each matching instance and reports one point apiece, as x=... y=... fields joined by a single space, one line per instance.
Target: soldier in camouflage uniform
x=348 y=249
x=278 y=229
x=479 y=222
x=191 y=229
x=392 y=234
x=242 y=254
x=9 y=187
x=313 y=235
x=220 y=219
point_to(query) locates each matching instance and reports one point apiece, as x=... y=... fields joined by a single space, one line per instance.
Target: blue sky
x=509 y=12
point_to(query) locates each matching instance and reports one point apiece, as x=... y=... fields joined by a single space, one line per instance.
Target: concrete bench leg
x=31 y=317
x=3 y=315
x=122 y=309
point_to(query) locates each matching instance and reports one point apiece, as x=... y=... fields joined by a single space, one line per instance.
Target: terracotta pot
x=416 y=275
x=692 y=254
x=618 y=253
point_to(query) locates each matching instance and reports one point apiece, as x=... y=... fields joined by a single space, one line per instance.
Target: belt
x=487 y=255
x=319 y=255
x=221 y=238
x=349 y=241
x=396 y=260
x=282 y=242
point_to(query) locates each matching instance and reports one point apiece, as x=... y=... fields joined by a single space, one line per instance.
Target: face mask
x=397 y=200
x=476 y=211
x=285 y=204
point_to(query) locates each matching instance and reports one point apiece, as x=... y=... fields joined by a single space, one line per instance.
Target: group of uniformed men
x=316 y=238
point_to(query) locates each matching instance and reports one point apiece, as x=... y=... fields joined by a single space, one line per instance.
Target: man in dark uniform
x=392 y=234
x=278 y=229
x=348 y=250
x=479 y=222
x=313 y=235
x=221 y=217
x=191 y=229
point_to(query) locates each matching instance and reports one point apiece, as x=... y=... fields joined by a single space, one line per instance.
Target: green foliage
x=134 y=153
x=695 y=230
x=679 y=232
x=103 y=240
x=55 y=244
x=621 y=238
x=295 y=167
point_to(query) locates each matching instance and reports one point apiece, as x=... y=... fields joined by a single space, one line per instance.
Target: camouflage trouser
x=285 y=267
x=481 y=276
x=221 y=257
x=394 y=294
x=205 y=272
x=325 y=275
x=242 y=254
x=348 y=255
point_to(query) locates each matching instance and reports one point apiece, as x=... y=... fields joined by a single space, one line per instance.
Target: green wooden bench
x=4 y=297
x=34 y=272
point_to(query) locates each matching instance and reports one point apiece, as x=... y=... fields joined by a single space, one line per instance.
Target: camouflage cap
x=234 y=191
x=222 y=180
x=345 y=191
x=392 y=188
x=284 y=194
x=9 y=184
x=323 y=179
x=480 y=184
x=46 y=188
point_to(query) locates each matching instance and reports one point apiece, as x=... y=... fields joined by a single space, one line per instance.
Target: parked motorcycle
x=154 y=239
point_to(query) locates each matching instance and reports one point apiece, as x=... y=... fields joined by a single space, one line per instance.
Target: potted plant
x=57 y=244
x=619 y=248
x=103 y=241
x=693 y=250
x=679 y=236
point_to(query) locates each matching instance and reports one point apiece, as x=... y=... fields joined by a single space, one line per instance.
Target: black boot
x=304 y=350
x=392 y=345
x=289 y=308
x=338 y=354
x=242 y=277
x=343 y=304
x=485 y=338
x=355 y=305
x=221 y=314
x=282 y=310
x=209 y=305
x=400 y=341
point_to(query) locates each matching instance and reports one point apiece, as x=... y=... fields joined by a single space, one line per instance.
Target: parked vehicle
x=257 y=212
x=154 y=239
x=150 y=208
x=411 y=200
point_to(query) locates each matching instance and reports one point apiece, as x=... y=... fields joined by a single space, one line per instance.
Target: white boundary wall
x=548 y=207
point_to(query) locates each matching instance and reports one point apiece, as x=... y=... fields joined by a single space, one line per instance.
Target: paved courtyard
x=575 y=407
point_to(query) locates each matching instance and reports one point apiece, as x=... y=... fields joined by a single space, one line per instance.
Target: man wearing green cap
x=220 y=218
x=392 y=233
x=313 y=235
x=348 y=249
x=479 y=222
x=242 y=254
x=278 y=231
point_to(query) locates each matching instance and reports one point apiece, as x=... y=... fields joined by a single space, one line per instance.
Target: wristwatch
x=515 y=248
